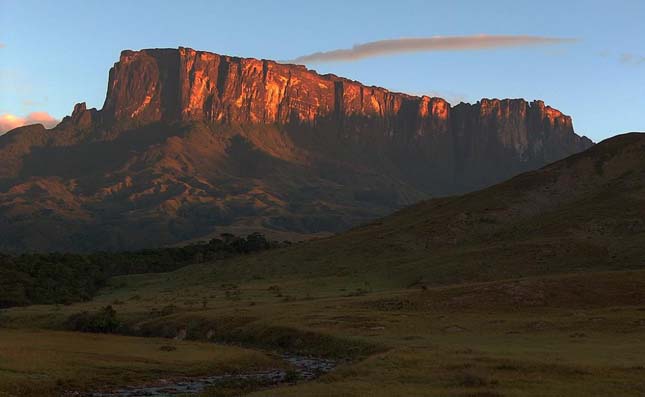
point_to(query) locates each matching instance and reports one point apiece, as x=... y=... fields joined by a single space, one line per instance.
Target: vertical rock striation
x=467 y=146
x=184 y=84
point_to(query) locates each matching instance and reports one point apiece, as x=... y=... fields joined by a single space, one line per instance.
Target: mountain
x=190 y=144
x=585 y=213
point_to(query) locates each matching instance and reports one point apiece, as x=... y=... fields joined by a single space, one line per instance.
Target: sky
x=54 y=54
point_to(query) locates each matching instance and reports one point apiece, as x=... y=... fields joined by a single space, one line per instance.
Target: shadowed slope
x=586 y=212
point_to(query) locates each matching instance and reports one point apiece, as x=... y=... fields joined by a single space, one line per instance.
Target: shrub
x=103 y=321
x=167 y=348
x=168 y=310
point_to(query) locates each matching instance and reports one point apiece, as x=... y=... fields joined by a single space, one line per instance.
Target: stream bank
x=304 y=369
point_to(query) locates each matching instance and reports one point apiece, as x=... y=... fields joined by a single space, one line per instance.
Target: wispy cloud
x=427 y=44
x=9 y=121
x=632 y=59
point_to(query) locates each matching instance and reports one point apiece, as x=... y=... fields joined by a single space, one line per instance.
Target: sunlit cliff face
x=195 y=85
x=184 y=84
x=221 y=88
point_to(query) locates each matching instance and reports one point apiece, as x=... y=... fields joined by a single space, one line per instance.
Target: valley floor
x=568 y=335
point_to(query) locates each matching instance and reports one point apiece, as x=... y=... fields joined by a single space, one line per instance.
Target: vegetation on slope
x=584 y=213
x=64 y=278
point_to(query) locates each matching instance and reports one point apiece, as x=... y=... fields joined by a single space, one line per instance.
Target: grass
x=439 y=368
x=574 y=334
x=48 y=363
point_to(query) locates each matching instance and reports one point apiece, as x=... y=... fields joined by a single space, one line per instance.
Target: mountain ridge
x=290 y=92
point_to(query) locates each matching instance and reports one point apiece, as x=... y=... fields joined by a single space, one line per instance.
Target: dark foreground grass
x=52 y=363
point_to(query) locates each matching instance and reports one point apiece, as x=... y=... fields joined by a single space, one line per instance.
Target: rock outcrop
x=184 y=84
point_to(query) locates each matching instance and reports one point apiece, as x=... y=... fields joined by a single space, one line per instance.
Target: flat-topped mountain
x=190 y=144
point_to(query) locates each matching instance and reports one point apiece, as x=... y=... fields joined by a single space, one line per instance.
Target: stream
x=306 y=368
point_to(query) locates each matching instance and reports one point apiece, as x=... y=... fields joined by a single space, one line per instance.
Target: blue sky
x=57 y=53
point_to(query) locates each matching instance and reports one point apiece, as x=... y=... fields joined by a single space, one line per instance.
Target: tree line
x=63 y=278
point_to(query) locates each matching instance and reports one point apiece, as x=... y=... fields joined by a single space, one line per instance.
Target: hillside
x=191 y=144
x=583 y=213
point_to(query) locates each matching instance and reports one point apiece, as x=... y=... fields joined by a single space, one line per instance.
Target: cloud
x=427 y=44
x=10 y=121
x=632 y=59
x=2 y=45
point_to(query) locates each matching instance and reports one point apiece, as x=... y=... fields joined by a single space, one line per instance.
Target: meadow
x=572 y=334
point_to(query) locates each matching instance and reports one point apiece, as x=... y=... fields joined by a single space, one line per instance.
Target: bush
x=103 y=321
x=168 y=310
x=167 y=348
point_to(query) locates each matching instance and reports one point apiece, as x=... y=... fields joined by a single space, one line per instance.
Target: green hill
x=584 y=213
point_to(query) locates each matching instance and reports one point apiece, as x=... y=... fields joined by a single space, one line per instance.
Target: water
x=306 y=368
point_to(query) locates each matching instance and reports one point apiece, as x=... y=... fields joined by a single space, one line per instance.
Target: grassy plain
x=572 y=334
